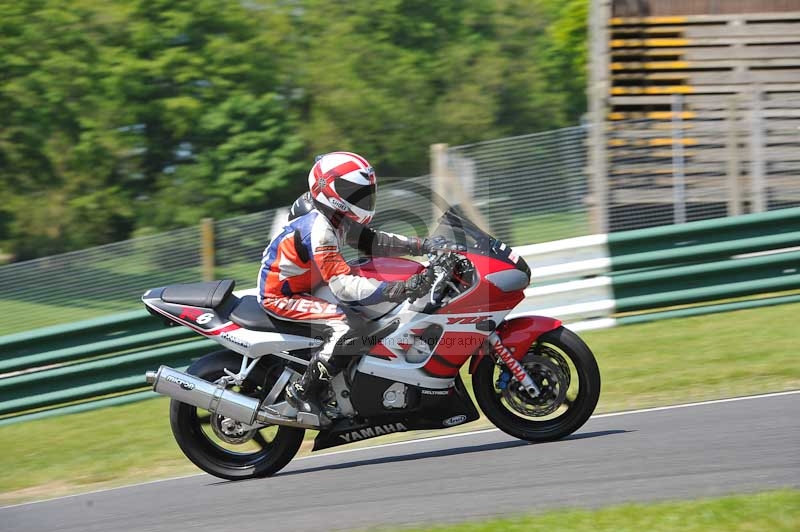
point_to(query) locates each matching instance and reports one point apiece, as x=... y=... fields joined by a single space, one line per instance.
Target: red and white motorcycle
x=533 y=378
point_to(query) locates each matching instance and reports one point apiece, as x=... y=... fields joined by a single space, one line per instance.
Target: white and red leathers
x=286 y=280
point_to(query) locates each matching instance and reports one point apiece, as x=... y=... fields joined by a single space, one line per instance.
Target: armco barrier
x=586 y=281
x=88 y=364
x=645 y=270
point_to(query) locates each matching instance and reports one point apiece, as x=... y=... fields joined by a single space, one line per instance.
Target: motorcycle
x=532 y=377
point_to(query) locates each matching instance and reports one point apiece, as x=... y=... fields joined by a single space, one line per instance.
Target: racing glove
x=424 y=246
x=439 y=243
x=414 y=287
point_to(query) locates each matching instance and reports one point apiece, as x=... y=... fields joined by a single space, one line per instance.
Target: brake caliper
x=503 y=379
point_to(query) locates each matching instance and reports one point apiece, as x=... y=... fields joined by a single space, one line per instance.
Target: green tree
x=109 y=107
x=203 y=87
x=126 y=115
x=256 y=161
x=566 y=54
x=57 y=143
x=391 y=77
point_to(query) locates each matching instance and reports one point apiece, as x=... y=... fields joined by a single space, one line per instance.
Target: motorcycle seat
x=206 y=295
x=251 y=315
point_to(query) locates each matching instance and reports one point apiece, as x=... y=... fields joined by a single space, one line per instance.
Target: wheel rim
x=251 y=448
x=228 y=442
x=553 y=371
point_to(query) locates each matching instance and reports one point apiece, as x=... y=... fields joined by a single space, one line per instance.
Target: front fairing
x=454 y=226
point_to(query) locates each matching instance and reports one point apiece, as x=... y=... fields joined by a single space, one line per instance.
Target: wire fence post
x=207 y=239
x=678 y=162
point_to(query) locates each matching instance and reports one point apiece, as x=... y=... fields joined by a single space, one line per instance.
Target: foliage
x=125 y=116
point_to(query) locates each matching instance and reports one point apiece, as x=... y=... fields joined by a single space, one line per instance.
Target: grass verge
x=774 y=511
x=667 y=362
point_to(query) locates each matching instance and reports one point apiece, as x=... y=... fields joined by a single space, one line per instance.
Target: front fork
x=516 y=369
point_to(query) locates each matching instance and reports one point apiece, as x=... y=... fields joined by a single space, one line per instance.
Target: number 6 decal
x=202 y=319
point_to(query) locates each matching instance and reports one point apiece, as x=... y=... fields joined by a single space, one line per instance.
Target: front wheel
x=222 y=446
x=566 y=372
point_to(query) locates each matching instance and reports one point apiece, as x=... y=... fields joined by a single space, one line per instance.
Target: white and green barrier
x=589 y=282
x=633 y=276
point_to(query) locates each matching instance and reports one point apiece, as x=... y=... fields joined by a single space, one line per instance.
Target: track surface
x=676 y=453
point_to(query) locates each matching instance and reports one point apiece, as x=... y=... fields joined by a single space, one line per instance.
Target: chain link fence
x=527 y=189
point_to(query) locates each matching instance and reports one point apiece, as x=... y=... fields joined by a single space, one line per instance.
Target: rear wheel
x=565 y=371
x=222 y=446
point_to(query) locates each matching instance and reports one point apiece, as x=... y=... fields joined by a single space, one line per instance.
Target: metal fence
x=528 y=189
x=721 y=157
x=111 y=278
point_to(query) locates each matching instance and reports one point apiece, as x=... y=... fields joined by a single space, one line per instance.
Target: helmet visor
x=362 y=196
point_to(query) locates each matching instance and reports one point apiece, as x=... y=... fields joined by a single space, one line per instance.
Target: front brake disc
x=552 y=383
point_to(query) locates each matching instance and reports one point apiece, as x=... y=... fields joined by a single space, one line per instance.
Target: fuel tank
x=385 y=268
x=382 y=269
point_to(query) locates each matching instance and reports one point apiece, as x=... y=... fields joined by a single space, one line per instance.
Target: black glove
x=439 y=243
x=416 y=245
x=414 y=287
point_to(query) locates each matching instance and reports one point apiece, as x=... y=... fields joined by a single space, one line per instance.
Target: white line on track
x=433 y=438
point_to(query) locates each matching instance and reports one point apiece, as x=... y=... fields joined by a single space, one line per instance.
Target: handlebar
x=443 y=265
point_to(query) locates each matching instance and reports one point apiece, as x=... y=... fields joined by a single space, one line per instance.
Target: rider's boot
x=303 y=394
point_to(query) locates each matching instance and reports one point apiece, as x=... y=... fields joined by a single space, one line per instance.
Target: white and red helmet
x=345 y=183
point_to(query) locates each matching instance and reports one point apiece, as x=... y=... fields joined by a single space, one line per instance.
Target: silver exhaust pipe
x=214 y=398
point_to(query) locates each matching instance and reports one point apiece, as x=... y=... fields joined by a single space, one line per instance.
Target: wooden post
x=438 y=181
x=207 y=237
x=732 y=147
x=678 y=163
x=757 y=164
x=600 y=12
x=447 y=188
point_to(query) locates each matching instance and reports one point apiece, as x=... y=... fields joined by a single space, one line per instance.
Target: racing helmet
x=345 y=184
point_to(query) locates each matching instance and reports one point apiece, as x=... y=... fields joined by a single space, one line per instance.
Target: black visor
x=362 y=196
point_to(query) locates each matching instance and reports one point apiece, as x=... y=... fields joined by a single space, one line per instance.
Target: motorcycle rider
x=337 y=210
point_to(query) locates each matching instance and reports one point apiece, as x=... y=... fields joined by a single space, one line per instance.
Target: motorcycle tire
x=558 y=358
x=191 y=428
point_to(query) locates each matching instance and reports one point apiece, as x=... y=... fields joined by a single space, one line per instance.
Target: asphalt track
x=707 y=449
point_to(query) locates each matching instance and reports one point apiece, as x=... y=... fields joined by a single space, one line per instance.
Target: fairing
x=431 y=409
x=518 y=334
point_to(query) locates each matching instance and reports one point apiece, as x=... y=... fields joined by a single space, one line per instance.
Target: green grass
x=667 y=362
x=533 y=228
x=43 y=315
x=704 y=357
x=132 y=279
x=772 y=511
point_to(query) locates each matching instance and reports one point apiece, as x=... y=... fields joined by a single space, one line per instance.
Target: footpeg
x=307 y=418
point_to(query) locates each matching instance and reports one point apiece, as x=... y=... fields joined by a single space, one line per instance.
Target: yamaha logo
x=371 y=432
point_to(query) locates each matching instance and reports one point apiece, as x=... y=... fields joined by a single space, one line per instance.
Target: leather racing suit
x=306 y=254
